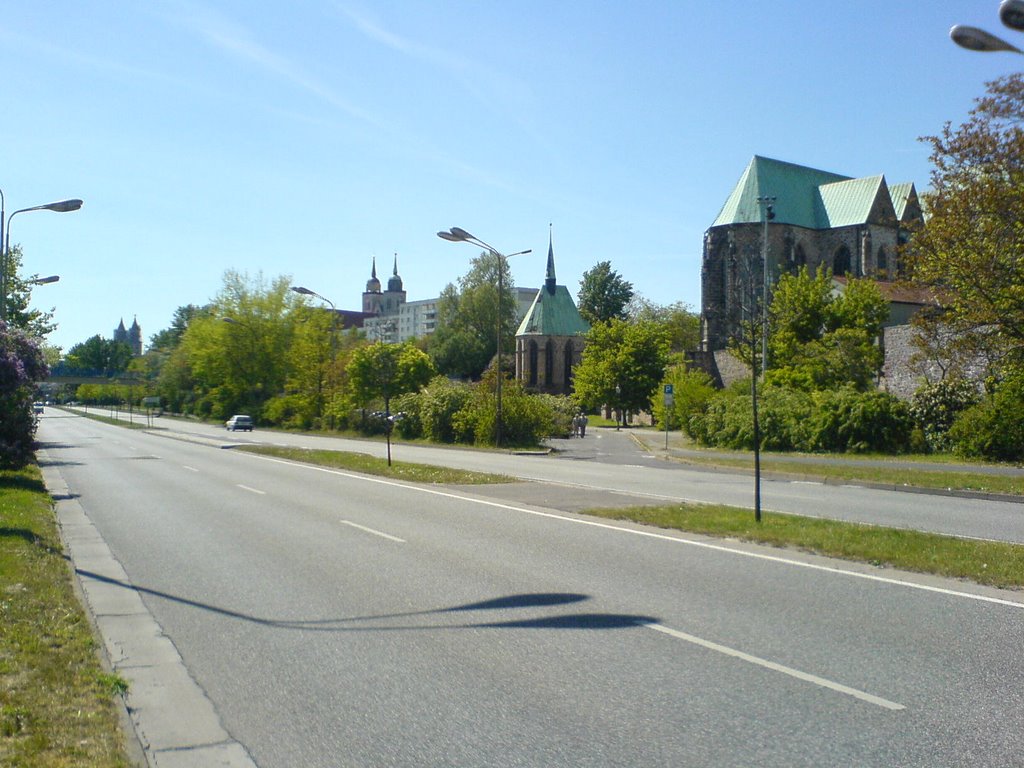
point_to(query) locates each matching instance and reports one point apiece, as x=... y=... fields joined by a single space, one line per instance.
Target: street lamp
x=62 y=206
x=1011 y=13
x=459 y=235
x=300 y=289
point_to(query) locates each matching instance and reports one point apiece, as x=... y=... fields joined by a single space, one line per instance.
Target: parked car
x=239 y=422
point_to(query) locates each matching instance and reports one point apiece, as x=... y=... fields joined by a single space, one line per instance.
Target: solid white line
x=252 y=490
x=371 y=530
x=653 y=534
x=796 y=673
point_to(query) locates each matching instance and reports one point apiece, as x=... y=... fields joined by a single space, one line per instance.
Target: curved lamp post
x=459 y=235
x=1011 y=13
x=62 y=206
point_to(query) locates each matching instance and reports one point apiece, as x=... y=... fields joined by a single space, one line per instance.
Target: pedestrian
x=583 y=424
x=576 y=425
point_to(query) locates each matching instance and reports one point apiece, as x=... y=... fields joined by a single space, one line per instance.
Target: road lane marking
x=190 y=469
x=371 y=530
x=651 y=534
x=252 y=490
x=795 y=673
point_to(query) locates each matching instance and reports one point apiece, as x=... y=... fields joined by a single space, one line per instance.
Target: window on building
x=841 y=261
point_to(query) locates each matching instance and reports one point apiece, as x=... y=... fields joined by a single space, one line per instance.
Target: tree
x=972 y=249
x=821 y=341
x=681 y=324
x=169 y=338
x=35 y=322
x=385 y=371
x=622 y=364
x=97 y=356
x=465 y=341
x=21 y=366
x=604 y=295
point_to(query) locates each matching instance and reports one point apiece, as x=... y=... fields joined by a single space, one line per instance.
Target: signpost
x=669 y=401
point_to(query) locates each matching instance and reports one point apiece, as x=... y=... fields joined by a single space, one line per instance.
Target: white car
x=239 y=422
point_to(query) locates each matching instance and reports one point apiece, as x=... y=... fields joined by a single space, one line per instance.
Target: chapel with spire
x=550 y=339
x=130 y=336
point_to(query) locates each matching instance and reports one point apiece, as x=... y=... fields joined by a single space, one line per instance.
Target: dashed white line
x=374 y=532
x=252 y=490
x=795 y=673
x=190 y=469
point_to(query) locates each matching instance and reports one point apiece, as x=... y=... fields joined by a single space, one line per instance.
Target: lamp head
x=64 y=206
x=1011 y=13
x=974 y=39
x=302 y=289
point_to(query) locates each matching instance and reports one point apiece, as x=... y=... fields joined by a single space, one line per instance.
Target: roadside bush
x=846 y=420
x=832 y=420
x=526 y=419
x=935 y=407
x=410 y=426
x=442 y=399
x=289 y=411
x=994 y=428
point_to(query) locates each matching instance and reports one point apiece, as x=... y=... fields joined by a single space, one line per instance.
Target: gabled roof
x=553 y=312
x=851 y=202
x=807 y=197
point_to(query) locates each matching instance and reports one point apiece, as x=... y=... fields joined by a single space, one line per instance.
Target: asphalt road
x=332 y=619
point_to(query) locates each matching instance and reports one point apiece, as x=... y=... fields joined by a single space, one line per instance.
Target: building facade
x=852 y=227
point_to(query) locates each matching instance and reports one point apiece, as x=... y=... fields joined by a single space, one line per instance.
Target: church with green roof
x=851 y=226
x=550 y=338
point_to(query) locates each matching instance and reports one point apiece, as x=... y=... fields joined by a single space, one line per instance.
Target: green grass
x=992 y=563
x=370 y=465
x=919 y=477
x=57 y=704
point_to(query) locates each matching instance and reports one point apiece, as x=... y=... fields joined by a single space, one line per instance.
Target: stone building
x=549 y=341
x=851 y=226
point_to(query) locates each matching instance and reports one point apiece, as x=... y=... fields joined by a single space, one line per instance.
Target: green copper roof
x=806 y=197
x=553 y=314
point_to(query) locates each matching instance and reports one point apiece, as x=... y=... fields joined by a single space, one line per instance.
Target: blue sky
x=305 y=138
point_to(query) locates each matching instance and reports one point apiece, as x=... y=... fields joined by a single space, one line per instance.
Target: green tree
x=604 y=295
x=236 y=357
x=622 y=365
x=383 y=371
x=679 y=321
x=972 y=249
x=97 y=356
x=35 y=322
x=818 y=340
x=465 y=341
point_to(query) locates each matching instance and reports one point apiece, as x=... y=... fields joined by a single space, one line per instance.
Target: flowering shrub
x=21 y=366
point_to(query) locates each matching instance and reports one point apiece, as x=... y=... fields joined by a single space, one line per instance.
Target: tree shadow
x=20 y=482
x=377 y=623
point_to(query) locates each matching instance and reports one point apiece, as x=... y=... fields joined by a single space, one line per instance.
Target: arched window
x=532 y=352
x=883 y=262
x=549 y=363
x=841 y=262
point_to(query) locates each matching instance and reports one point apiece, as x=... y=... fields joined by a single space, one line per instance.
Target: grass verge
x=993 y=563
x=57 y=704
x=370 y=465
x=919 y=477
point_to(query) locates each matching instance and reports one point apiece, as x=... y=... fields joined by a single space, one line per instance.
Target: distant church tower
x=373 y=300
x=130 y=336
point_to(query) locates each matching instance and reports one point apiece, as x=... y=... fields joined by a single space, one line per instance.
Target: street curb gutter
x=174 y=723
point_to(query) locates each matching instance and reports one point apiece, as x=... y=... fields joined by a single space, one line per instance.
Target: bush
x=845 y=420
x=442 y=399
x=832 y=420
x=410 y=426
x=935 y=407
x=994 y=428
x=21 y=366
x=691 y=391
